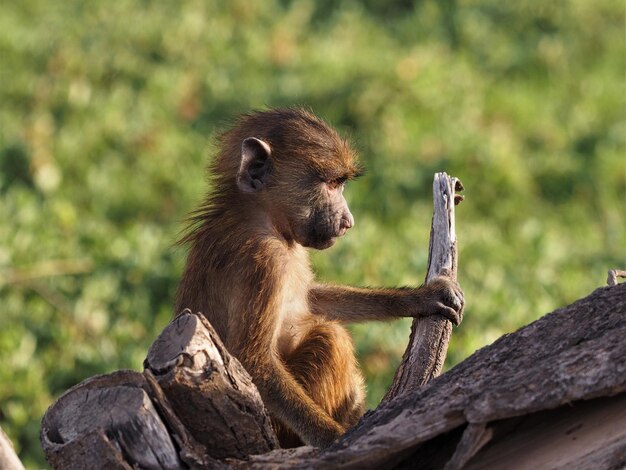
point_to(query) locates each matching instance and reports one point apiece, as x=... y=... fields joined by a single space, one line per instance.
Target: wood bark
x=108 y=421
x=428 y=343
x=209 y=390
x=613 y=275
x=193 y=405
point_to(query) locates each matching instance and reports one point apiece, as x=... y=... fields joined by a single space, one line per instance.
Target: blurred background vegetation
x=107 y=113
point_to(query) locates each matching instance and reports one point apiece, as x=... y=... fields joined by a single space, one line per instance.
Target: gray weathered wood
x=611 y=280
x=474 y=438
x=190 y=451
x=209 y=390
x=428 y=343
x=108 y=422
x=8 y=457
x=563 y=438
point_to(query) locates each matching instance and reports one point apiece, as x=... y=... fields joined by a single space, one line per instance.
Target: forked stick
x=428 y=343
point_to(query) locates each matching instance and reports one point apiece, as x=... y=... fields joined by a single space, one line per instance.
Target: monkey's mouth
x=317 y=242
x=320 y=241
x=342 y=231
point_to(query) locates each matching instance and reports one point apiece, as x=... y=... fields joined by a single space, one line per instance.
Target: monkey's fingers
x=454 y=296
x=458 y=187
x=449 y=314
x=459 y=300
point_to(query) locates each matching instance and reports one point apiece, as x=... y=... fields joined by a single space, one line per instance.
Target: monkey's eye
x=337 y=183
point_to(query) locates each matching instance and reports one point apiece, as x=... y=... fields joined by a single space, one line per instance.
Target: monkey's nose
x=347 y=221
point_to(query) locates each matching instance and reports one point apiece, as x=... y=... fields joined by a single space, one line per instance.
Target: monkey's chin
x=330 y=242
x=320 y=244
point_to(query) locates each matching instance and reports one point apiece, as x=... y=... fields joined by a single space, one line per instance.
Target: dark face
x=327 y=219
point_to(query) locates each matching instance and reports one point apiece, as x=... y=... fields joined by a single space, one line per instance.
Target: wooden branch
x=191 y=451
x=428 y=343
x=193 y=404
x=107 y=421
x=613 y=275
x=209 y=390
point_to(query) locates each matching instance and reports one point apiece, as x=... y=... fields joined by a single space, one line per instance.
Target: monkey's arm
x=286 y=399
x=253 y=340
x=353 y=304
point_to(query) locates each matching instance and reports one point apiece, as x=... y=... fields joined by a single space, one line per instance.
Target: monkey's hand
x=441 y=296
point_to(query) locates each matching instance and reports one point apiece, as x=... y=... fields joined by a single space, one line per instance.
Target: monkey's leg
x=324 y=365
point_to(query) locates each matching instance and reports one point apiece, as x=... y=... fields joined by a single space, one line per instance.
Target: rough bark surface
x=428 y=343
x=209 y=390
x=108 y=421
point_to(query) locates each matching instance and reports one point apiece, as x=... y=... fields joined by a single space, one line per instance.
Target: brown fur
x=248 y=272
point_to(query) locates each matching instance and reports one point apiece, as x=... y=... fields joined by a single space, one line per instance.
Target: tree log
x=209 y=390
x=108 y=421
x=428 y=343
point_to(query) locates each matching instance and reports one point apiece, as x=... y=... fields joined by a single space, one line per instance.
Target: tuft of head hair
x=292 y=134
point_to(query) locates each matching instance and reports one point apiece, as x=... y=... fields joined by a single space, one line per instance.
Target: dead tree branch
x=613 y=275
x=428 y=343
x=209 y=390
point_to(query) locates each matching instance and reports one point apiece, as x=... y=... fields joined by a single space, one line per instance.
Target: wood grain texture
x=428 y=343
x=106 y=422
x=209 y=390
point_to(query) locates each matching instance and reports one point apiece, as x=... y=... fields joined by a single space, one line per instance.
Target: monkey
x=276 y=190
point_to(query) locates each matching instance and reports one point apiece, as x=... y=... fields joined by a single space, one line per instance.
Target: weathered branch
x=209 y=390
x=108 y=421
x=428 y=344
x=613 y=275
x=194 y=404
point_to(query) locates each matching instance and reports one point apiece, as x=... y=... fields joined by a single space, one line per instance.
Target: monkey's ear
x=255 y=166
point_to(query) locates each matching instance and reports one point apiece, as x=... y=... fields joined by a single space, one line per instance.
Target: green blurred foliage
x=106 y=119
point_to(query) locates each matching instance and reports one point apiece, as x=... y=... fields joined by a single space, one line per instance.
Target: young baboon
x=277 y=188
